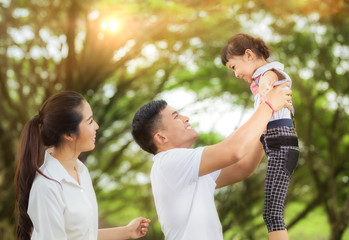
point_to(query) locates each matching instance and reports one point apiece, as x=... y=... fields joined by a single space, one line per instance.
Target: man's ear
x=160 y=139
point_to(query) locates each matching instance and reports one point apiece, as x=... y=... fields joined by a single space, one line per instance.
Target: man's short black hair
x=145 y=122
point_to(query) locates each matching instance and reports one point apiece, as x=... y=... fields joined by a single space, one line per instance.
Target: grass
x=313 y=227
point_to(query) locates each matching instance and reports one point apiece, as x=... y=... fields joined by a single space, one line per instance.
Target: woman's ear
x=159 y=138
x=68 y=137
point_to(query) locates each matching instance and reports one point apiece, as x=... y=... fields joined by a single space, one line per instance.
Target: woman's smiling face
x=87 y=129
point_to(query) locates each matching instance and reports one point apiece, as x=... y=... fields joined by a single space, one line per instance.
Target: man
x=184 y=179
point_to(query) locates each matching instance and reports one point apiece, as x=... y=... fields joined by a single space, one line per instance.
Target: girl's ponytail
x=261 y=48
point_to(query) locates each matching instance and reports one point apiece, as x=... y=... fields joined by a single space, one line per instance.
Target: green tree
x=47 y=46
x=314 y=50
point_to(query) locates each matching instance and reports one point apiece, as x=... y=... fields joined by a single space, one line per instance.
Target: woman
x=55 y=196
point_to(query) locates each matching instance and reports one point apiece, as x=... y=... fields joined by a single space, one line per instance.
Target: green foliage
x=306 y=228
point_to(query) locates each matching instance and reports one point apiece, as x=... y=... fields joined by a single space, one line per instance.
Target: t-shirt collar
x=56 y=170
x=272 y=65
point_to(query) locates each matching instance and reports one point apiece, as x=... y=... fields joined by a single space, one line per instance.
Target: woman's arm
x=137 y=228
x=45 y=208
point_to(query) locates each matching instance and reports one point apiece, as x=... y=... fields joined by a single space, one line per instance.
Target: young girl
x=247 y=57
x=55 y=196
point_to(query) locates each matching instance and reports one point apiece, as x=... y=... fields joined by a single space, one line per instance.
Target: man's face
x=176 y=128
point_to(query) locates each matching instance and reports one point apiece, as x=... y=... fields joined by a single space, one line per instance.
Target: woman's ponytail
x=30 y=157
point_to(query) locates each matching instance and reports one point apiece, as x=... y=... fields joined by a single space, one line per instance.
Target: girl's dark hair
x=60 y=114
x=238 y=44
x=145 y=122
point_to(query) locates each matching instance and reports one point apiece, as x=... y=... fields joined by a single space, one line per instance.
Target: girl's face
x=87 y=129
x=243 y=67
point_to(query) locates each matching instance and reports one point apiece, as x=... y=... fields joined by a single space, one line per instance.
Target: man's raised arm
x=237 y=145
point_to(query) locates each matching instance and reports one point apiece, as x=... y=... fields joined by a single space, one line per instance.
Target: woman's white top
x=61 y=208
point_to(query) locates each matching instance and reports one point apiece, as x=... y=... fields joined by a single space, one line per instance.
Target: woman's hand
x=138 y=227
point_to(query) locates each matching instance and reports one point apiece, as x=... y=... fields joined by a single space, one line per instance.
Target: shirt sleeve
x=214 y=175
x=181 y=166
x=46 y=208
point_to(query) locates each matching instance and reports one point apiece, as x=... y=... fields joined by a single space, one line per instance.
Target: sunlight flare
x=110 y=25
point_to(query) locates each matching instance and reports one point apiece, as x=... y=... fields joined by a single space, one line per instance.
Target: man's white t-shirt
x=184 y=201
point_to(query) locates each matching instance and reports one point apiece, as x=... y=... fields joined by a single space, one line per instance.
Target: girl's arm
x=137 y=228
x=266 y=83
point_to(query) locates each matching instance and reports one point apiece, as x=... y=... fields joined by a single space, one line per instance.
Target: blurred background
x=121 y=54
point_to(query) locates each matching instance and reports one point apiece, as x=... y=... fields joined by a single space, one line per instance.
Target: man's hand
x=280 y=97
